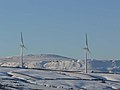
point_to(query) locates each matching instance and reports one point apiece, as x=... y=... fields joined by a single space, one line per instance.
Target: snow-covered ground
x=30 y=79
x=58 y=78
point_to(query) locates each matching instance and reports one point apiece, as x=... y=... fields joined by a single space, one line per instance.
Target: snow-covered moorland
x=66 y=73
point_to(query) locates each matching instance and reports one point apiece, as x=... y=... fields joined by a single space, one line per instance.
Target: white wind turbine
x=22 y=46
x=86 y=49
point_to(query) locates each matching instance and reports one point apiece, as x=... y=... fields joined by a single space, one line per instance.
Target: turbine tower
x=86 y=49
x=22 y=46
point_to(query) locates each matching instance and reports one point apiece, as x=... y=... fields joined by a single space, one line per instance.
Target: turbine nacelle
x=87 y=50
x=23 y=46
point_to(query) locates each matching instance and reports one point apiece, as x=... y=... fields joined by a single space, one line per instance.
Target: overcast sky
x=59 y=27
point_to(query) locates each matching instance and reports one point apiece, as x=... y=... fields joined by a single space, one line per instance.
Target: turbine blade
x=86 y=48
x=22 y=43
x=86 y=41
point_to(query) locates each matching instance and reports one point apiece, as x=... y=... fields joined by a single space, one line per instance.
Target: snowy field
x=66 y=74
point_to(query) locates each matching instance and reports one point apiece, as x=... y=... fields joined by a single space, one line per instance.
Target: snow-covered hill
x=56 y=62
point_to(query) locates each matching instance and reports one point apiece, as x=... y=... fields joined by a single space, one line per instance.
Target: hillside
x=56 y=62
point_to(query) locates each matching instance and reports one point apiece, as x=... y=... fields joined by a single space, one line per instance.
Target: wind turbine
x=22 y=46
x=86 y=49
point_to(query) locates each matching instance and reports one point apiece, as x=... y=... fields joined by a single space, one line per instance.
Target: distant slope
x=51 y=61
x=44 y=57
x=48 y=61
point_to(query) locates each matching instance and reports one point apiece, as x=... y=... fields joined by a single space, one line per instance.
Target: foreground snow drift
x=29 y=79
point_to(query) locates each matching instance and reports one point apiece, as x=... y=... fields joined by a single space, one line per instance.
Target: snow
x=66 y=73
